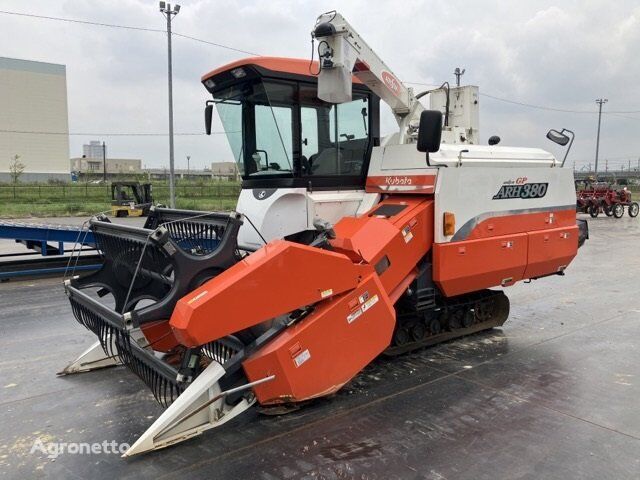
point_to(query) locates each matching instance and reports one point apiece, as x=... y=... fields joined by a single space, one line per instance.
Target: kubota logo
x=391 y=82
x=397 y=180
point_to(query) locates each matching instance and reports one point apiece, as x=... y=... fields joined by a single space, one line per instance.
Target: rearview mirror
x=430 y=131
x=208 y=114
x=558 y=137
x=561 y=138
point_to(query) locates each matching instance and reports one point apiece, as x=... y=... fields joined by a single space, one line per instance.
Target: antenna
x=458 y=73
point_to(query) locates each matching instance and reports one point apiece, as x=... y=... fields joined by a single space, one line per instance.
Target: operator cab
x=282 y=135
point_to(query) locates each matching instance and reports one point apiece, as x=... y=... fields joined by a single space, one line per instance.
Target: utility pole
x=458 y=73
x=166 y=10
x=599 y=101
x=606 y=165
x=104 y=163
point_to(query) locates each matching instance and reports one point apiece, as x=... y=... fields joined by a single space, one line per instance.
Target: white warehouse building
x=34 y=119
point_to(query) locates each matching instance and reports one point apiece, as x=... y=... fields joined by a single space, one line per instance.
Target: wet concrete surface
x=555 y=393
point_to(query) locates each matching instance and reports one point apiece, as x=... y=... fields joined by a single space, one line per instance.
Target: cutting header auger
x=343 y=245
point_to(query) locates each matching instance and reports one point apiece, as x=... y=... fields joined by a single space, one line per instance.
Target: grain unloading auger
x=343 y=245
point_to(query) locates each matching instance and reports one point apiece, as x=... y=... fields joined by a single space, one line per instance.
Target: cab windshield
x=278 y=128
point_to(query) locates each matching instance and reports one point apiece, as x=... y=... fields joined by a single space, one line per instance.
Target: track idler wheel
x=455 y=319
x=467 y=319
x=401 y=337
x=482 y=310
x=501 y=308
x=434 y=326
x=418 y=332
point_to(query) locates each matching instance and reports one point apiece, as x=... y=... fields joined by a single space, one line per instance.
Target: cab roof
x=274 y=67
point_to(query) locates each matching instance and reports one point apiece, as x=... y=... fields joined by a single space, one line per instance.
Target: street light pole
x=104 y=163
x=599 y=101
x=166 y=10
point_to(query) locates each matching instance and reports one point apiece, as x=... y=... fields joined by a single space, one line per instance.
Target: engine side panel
x=488 y=201
x=510 y=224
x=551 y=251
x=462 y=267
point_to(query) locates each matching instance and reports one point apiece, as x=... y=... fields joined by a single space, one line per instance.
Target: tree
x=16 y=168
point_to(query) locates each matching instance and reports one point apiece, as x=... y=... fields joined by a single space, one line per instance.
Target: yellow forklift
x=131 y=199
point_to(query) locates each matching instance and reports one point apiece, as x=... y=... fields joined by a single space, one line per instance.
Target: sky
x=561 y=55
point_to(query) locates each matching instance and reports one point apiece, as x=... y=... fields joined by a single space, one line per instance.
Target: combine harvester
x=343 y=245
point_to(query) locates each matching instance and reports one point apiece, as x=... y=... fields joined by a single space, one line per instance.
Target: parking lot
x=552 y=394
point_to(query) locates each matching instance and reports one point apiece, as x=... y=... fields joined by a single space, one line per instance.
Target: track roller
x=457 y=317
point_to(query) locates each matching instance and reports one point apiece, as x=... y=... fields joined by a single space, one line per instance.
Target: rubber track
x=456 y=333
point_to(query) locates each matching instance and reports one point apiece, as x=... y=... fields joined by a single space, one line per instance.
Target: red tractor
x=596 y=197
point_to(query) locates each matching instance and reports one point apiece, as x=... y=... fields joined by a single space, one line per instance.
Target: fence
x=102 y=193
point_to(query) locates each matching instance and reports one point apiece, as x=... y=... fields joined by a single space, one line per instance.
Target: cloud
x=561 y=54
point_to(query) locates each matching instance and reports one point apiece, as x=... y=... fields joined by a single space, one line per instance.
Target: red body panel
x=471 y=265
x=522 y=223
x=404 y=238
x=502 y=250
x=298 y=66
x=159 y=335
x=551 y=251
x=318 y=355
x=275 y=280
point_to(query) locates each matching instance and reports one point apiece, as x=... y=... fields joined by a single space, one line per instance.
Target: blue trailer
x=48 y=240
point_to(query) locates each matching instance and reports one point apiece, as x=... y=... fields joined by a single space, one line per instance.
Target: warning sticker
x=369 y=303
x=407 y=234
x=302 y=357
x=197 y=297
x=354 y=315
x=326 y=293
x=364 y=297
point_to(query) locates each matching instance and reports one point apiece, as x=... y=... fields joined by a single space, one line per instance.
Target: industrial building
x=34 y=119
x=93 y=149
x=114 y=165
x=225 y=171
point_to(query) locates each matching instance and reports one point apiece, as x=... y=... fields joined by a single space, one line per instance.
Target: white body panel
x=469 y=192
x=392 y=157
x=465 y=186
x=473 y=175
x=277 y=213
x=348 y=48
x=464 y=113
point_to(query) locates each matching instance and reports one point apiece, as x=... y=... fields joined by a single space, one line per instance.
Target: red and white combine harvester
x=343 y=245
